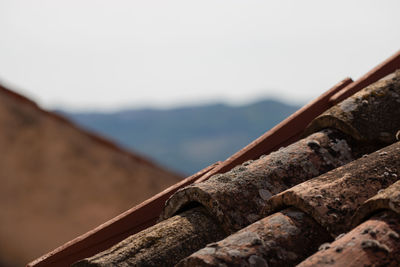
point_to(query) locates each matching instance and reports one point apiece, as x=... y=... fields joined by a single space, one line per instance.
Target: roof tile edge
x=341 y=90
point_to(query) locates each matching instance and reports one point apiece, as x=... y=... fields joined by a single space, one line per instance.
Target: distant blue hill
x=190 y=138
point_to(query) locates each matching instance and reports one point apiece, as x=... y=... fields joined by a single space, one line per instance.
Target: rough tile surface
x=282 y=239
x=332 y=198
x=375 y=242
x=377 y=105
x=163 y=244
x=237 y=197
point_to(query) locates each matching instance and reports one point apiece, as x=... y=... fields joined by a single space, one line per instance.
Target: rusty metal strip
x=289 y=128
x=386 y=67
x=115 y=230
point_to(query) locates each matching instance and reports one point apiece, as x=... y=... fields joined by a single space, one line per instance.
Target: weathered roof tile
x=332 y=198
x=236 y=197
x=163 y=244
x=388 y=199
x=311 y=212
x=282 y=239
x=377 y=105
x=376 y=242
x=288 y=236
x=252 y=190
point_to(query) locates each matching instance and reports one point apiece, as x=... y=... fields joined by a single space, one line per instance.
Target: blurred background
x=179 y=84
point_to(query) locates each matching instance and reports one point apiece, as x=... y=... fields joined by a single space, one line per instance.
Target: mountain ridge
x=189 y=138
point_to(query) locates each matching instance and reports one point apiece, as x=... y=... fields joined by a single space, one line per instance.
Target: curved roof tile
x=373 y=243
x=236 y=198
x=367 y=121
x=332 y=198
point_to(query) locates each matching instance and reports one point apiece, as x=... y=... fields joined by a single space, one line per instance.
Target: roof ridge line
x=93 y=136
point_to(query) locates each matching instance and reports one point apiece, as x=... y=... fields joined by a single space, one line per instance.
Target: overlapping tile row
x=332 y=198
x=374 y=242
x=256 y=182
x=322 y=205
x=232 y=197
x=163 y=244
x=236 y=198
x=282 y=239
x=370 y=116
x=388 y=199
x=321 y=208
x=146 y=214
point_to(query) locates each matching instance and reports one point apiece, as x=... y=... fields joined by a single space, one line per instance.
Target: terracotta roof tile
x=377 y=105
x=375 y=242
x=387 y=199
x=282 y=239
x=319 y=207
x=235 y=198
x=283 y=134
x=332 y=198
x=162 y=244
x=277 y=186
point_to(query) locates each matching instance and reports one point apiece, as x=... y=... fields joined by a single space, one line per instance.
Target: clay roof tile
x=377 y=105
x=236 y=198
x=385 y=199
x=332 y=198
x=308 y=215
x=281 y=239
x=376 y=242
x=277 y=185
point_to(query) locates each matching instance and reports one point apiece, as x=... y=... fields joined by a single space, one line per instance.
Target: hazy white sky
x=98 y=54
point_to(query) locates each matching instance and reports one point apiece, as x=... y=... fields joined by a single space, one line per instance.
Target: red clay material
x=283 y=134
x=289 y=129
x=386 y=67
x=163 y=244
x=282 y=239
x=236 y=197
x=332 y=198
x=377 y=104
x=387 y=199
x=376 y=242
x=146 y=214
